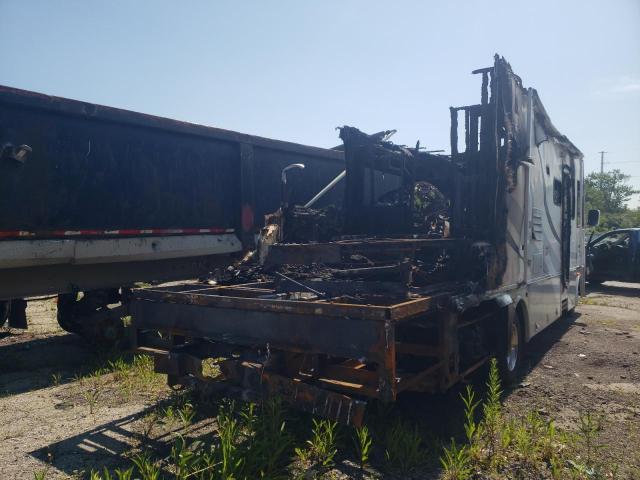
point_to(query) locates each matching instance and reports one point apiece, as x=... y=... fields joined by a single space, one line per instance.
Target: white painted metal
x=32 y=253
x=534 y=257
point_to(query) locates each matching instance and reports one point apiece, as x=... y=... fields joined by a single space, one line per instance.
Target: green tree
x=609 y=193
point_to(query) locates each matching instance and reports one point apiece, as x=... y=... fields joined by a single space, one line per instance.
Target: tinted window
x=557 y=191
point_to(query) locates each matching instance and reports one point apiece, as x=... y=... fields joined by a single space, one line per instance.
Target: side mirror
x=593 y=219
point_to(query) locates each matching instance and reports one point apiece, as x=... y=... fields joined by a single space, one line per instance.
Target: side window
x=557 y=191
x=621 y=239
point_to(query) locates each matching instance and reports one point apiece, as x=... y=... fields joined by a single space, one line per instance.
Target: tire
x=5 y=310
x=511 y=352
x=66 y=315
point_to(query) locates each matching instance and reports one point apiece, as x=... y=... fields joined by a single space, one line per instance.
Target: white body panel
x=534 y=270
x=33 y=253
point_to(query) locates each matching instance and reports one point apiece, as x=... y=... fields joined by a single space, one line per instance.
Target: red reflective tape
x=121 y=232
x=16 y=233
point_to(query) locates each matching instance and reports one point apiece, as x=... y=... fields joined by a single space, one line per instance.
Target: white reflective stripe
x=29 y=253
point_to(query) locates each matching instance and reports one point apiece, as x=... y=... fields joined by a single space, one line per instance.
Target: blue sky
x=294 y=70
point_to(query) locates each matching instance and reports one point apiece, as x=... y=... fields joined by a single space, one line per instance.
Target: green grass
x=251 y=441
x=527 y=446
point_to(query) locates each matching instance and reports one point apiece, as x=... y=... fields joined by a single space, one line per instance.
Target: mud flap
x=18 y=313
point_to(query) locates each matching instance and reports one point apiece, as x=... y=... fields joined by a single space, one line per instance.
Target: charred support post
x=449 y=348
x=354 y=189
x=387 y=368
x=247 y=195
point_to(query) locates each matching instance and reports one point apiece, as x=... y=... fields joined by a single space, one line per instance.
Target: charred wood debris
x=389 y=241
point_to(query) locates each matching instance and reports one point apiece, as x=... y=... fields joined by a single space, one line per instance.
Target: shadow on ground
x=29 y=363
x=620 y=289
x=103 y=446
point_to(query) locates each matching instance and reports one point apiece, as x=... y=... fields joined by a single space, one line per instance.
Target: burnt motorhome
x=429 y=266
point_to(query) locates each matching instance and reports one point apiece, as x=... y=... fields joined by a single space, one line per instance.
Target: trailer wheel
x=5 y=310
x=67 y=318
x=511 y=352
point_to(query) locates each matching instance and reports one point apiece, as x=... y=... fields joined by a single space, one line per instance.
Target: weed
x=230 y=457
x=491 y=411
x=149 y=421
x=40 y=474
x=184 y=458
x=522 y=441
x=321 y=448
x=169 y=415
x=122 y=474
x=456 y=462
x=403 y=447
x=92 y=396
x=186 y=412
x=472 y=429
x=119 y=367
x=268 y=439
x=362 y=441
x=588 y=430
x=146 y=466
x=119 y=474
x=143 y=365
x=501 y=448
x=56 y=378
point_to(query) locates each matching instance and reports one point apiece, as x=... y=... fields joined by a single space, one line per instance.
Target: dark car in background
x=614 y=255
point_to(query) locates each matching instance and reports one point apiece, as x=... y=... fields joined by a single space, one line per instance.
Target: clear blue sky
x=294 y=70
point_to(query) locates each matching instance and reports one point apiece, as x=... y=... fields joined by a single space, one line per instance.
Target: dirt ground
x=587 y=363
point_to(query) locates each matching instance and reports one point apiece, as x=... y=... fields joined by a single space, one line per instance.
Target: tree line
x=609 y=192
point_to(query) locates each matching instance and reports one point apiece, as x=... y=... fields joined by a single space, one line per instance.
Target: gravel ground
x=587 y=363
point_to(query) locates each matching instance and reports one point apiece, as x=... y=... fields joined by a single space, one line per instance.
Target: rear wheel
x=67 y=315
x=5 y=310
x=92 y=315
x=511 y=352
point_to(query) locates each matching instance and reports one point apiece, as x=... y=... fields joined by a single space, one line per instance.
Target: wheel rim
x=513 y=346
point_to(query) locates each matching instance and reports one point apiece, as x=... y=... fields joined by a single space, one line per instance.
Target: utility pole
x=602 y=161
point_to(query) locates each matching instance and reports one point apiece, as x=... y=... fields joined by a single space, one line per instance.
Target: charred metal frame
x=323 y=355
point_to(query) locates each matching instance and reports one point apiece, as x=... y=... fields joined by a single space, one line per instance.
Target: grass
x=524 y=447
x=117 y=380
x=404 y=450
x=251 y=441
x=601 y=302
x=321 y=447
x=56 y=378
x=362 y=442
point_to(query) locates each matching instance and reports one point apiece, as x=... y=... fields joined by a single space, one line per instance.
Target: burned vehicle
x=614 y=255
x=429 y=266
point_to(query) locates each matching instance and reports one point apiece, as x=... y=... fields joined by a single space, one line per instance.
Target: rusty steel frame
x=352 y=347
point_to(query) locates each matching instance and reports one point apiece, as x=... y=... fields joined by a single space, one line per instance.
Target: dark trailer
x=93 y=198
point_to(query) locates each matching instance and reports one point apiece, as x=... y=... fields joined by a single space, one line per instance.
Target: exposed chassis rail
x=324 y=355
